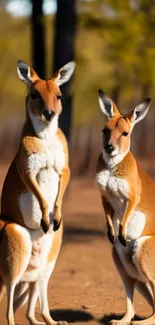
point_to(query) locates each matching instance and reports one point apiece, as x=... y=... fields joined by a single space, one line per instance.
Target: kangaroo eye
x=59 y=97
x=35 y=95
x=125 y=134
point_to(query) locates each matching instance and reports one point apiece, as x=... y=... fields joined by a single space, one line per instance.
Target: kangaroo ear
x=107 y=105
x=64 y=74
x=139 y=111
x=26 y=73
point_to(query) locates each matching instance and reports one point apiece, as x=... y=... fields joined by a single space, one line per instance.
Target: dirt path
x=85 y=287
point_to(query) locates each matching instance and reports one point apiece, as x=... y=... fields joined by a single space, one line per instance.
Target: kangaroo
x=30 y=225
x=37 y=178
x=127 y=194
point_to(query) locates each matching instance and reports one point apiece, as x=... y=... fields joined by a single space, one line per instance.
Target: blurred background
x=113 y=44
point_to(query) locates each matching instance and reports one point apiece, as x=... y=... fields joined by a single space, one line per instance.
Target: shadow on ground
x=76 y=234
x=107 y=318
x=71 y=316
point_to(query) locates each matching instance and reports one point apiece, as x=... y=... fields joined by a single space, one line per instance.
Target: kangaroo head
x=117 y=131
x=44 y=96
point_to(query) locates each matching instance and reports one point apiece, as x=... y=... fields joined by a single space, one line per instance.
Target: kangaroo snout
x=109 y=148
x=48 y=114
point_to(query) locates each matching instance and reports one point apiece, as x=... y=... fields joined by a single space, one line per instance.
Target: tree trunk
x=63 y=53
x=38 y=38
x=117 y=87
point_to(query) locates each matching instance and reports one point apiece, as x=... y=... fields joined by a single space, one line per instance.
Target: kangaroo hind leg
x=15 y=252
x=145 y=263
x=33 y=296
x=145 y=290
x=21 y=295
x=129 y=285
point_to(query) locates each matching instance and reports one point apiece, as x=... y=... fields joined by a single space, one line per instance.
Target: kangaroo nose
x=48 y=114
x=109 y=148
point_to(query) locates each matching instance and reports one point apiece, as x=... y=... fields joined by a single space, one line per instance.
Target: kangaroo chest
x=51 y=156
x=46 y=166
x=116 y=191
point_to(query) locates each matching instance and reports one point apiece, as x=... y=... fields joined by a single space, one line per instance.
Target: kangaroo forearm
x=109 y=222
x=131 y=205
x=64 y=179
x=31 y=183
x=108 y=212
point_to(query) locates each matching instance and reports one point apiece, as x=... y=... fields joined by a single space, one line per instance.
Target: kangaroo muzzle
x=48 y=114
x=109 y=148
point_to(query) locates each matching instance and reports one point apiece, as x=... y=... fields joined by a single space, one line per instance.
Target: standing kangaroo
x=128 y=196
x=30 y=226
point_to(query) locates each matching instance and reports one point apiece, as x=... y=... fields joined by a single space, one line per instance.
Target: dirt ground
x=85 y=287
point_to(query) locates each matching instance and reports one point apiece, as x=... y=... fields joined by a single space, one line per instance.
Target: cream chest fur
x=46 y=166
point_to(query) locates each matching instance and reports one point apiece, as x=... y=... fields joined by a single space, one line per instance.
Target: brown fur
x=117 y=125
x=56 y=245
x=141 y=197
x=140 y=184
x=13 y=252
x=18 y=174
x=48 y=91
x=18 y=250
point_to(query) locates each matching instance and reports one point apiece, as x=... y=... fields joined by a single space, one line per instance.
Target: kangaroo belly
x=129 y=254
x=41 y=246
x=135 y=225
x=126 y=257
x=48 y=180
x=130 y=257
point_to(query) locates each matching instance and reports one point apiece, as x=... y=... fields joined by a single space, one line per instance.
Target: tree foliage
x=115 y=51
x=128 y=34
